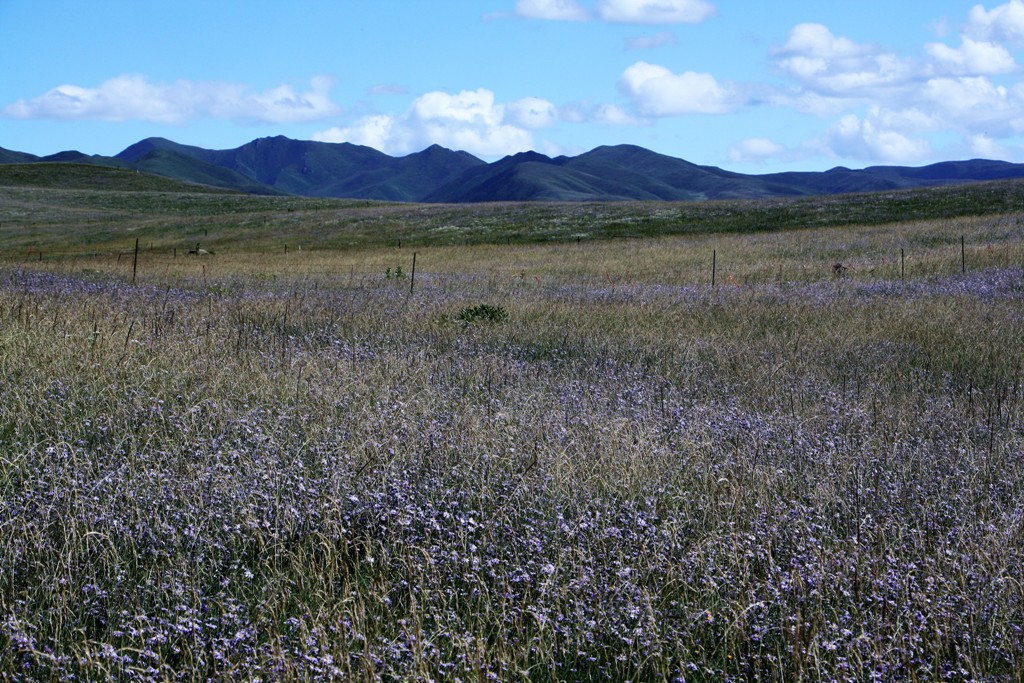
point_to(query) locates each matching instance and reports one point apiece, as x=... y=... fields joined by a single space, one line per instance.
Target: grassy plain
x=288 y=466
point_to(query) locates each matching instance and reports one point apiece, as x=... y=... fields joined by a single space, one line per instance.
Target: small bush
x=483 y=313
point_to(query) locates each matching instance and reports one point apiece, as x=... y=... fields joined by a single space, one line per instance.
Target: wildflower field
x=573 y=458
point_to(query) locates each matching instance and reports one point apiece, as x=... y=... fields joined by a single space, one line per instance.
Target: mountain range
x=279 y=165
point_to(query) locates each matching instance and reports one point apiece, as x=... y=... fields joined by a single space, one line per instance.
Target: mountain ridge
x=281 y=165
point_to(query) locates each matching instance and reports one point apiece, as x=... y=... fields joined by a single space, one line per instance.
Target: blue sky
x=749 y=86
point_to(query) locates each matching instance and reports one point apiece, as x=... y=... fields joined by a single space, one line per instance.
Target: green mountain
x=321 y=169
x=173 y=164
x=627 y=172
x=623 y=172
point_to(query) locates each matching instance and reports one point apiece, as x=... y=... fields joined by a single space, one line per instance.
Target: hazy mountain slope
x=834 y=181
x=880 y=178
x=951 y=171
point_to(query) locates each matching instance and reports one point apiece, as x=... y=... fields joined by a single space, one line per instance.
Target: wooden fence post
x=135 y=260
x=412 y=277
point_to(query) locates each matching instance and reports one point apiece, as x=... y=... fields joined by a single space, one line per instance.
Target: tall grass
x=285 y=467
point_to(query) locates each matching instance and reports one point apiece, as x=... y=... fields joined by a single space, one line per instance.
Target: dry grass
x=288 y=468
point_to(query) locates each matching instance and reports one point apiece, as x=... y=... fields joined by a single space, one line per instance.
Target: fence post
x=135 y=260
x=412 y=277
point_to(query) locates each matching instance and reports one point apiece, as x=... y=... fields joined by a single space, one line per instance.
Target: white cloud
x=754 y=150
x=619 y=11
x=469 y=121
x=972 y=57
x=984 y=147
x=890 y=107
x=1003 y=23
x=377 y=131
x=971 y=102
x=656 y=91
x=532 y=113
x=867 y=138
x=907 y=120
x=277 y=105
x=652 y=41
x=966 y=94
x=132 y=97
x=388 y=89
x=128 y=97
x=818 y=41
x=612 y=115
x=474 y=107
x=807 y=102
x=940 y=27
x=655 y=11
x=830 y=64
x=557 y=10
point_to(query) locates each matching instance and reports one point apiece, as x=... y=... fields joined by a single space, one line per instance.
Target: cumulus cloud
x=817 y=41
x=132 y=97
x=869 y=138
x=656 y=91
x=970 y=102
x=887 y=107
x=557 y=10
x=826 y=63
x=972 y=57
x=655 y=11
x=377 y=131
x=754 y=150
x=470 y=120
x=896 y=130
x=1003 y=23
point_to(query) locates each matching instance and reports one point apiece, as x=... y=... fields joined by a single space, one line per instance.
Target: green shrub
x=482 y=313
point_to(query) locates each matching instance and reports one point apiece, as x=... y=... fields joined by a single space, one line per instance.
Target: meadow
x=555 y=451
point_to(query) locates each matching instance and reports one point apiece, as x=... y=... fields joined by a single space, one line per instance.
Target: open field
x=541 y=459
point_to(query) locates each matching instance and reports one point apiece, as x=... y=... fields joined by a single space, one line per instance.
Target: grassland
x=302 y=465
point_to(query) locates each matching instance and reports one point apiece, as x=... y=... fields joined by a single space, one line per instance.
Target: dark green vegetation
x=285 y=465
x=78 y=176
x=71 y=208
x=280 y=165
x=482 y=313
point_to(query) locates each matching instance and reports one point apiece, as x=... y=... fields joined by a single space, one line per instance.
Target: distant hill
x=9 y=157
x=627 y=172
x=174 y=164
x=321 y=169
x=279 y=165
x=79 y=176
